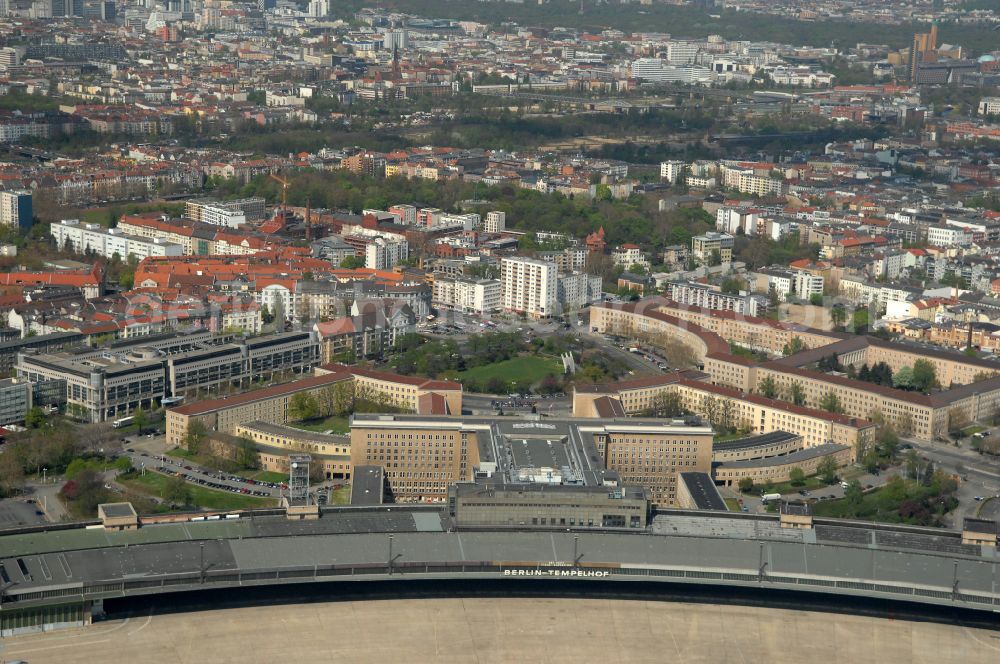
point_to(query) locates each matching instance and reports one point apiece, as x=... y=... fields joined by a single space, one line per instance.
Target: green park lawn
x=153 y=484
x=269 y=476
x=337 y=423
x=524 y=368
x=341 y=496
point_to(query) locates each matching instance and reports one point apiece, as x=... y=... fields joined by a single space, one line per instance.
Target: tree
x=854 y=494
x=246 y=454
x=352 y=262
x=303 y=406
x=666 y=404
x=796 y=394
x=745 y=484
x=830 y=402
x=827 y=470
x=904 y=424
x=495 y=385
x=904 y=379
x=139 y=417
x=816 y=299
x=924 y=375
x=797 y=476
x=549 y=385
x=957 y=421
x=795 y=345
x=36 y=418
x=913 y=464
x=767 y=387
x=11 y=474
x=829 y=363
x=710 y=408
x=195 y=436
x=869 y=458
x=176 y=491
x=838 y=316
x=888 y=442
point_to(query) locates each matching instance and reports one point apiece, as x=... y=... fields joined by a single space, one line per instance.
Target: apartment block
x=384 y=254
x=577 y=290
x=529 y=286
x=495 y=222
x=703 y=247
x=671 y=171
x=702 y=295
x=477 y=296
x=16 y=208
x=107 y=242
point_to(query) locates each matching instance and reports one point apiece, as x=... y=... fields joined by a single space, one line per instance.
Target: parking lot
x=16 y=512
x=206 y=477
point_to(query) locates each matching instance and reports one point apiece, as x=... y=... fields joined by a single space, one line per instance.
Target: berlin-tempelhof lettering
x=556 y=572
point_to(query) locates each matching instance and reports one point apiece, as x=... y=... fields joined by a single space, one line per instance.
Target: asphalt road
x=980 y=476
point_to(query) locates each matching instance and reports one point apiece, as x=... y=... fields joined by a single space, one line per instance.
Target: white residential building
x=16 y=208
x=223 y=216
x=81 y=238
x=628 y=255
x=671 y=170
x=733 y=220
x=989 y=106
x=808 y=284
x=529 y=286
x=700 y=182
x=576 y=289
x=945 y=236
x=799 y=283
x=384 y=254
x=467 y=222
x=682 y=52
x=655 y=69
x=709 y=297
x=478 y=296
x=890 y=265
x=496 y=222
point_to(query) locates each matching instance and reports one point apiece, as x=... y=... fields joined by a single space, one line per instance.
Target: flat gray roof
x=703 y=491
x=794 y=457
x=890 y=556
x=367 y=485
x=772 y=438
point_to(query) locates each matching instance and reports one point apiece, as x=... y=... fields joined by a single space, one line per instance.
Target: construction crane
x=285 y=186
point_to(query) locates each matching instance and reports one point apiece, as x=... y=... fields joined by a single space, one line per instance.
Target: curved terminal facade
x=63 y=575
x=970 y=386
